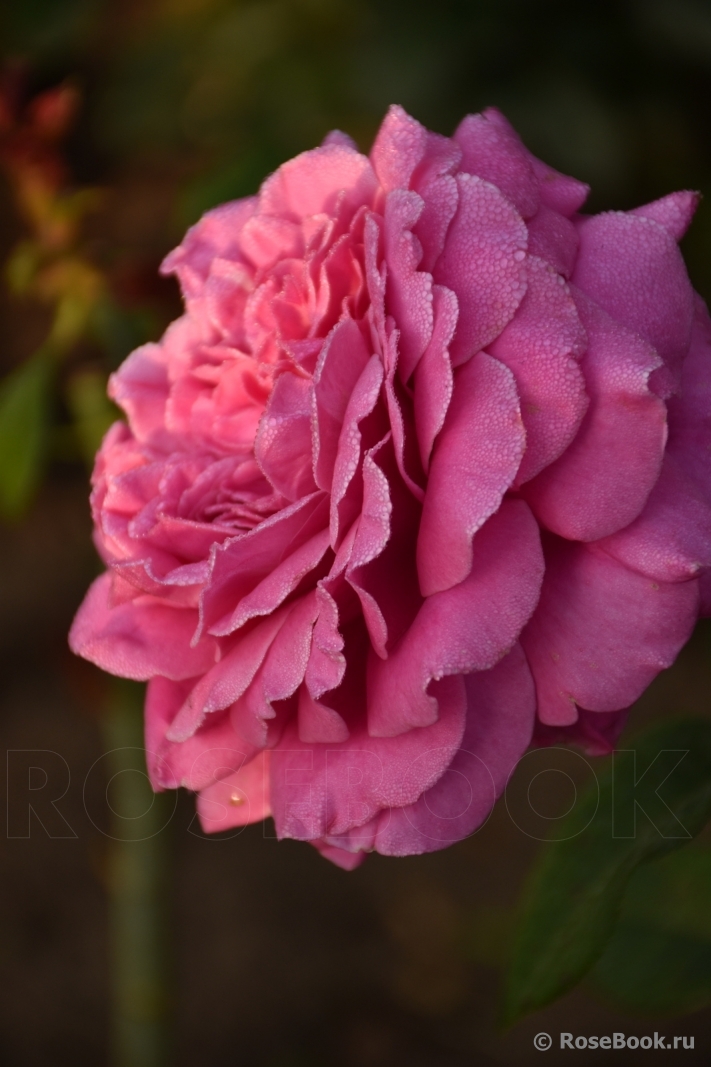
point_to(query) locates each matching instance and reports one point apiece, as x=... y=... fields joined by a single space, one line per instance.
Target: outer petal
x=475 y=461
x=588 y=493
x=541 y=346
x=673 y=212
x=238 y=800
x=212 y=753
x=501 y=707
x=216 y=235
x=601 y=632
x=139 y=638
x=492 y=150
x=482 y=263
x=632 y=267
x=467 y=628
x=319 y=790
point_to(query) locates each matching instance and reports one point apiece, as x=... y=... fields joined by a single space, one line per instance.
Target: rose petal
x=482 y=263
x=601 y=632
x=241 y=799
x=475 y=461
x=139 y=638
x=468 y=627
x=589 y=493
x=492 y=150
x=320 y=790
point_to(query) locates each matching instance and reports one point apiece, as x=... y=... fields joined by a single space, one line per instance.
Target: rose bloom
x=422 y=475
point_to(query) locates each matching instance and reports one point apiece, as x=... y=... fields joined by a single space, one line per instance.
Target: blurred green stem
x=139 y=891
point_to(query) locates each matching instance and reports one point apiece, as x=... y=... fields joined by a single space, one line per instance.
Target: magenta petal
x=588 y=493
x=212 y=753
x=475 y=461
x=321 y=790
x=673 y=212
x=343 y=359
x=280 y=583
x=633 y=269
x=227 y=680
x=240 y=564
x=434 y=382
x=348 y=861
x=280 y=675
x=397 y=149
x=482 y=263
x=601 y=632
x=553 y=237
x=139 y=638
x=319 y=724
x=559 y=191
x=541 y=346
x=501 y=708
x=466 y=628
x=238 y=800
x=409 y=291
x=492 y=150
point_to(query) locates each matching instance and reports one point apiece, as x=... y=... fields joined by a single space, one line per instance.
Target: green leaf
x=24 y=414
x=647 y=801
x=658 y=959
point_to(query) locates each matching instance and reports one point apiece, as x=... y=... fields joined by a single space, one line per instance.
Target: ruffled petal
x=601 y=632
x=321 y=790
x=482 y=263
x=469 y=627
x=492 y=150
x=588 y=493
x=139 y=638
x=475 y=461
x=238 y=800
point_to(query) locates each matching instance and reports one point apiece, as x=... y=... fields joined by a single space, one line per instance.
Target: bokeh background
x=166 y=108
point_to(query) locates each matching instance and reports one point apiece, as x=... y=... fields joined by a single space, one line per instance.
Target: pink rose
x=423 y=472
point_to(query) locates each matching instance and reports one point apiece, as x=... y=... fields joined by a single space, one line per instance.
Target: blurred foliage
x=659 y=957
x=640 y=808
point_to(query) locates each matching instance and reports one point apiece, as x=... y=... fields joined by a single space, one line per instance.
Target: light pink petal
x=283 y=444
x=311 y=183
x=343 y=359
x=242 y=563
x=469 y=627
x=553 y=237
x=140 y=387
x=474 y=462
x=212 y=753
x=217 y=234
x=434 y=382
x=139 y=638
x=541 y=346
x=409 y=290
x=589 y=492
x=492 y=150
x=241 y=799
x=633 y=269
x=482 y=263
x=501 y=708
x=321 y=790
x=601 y=632
x=674 y=212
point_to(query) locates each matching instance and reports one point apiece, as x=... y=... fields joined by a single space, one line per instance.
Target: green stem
x=139 y=891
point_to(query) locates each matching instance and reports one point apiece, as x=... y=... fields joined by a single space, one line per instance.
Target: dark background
x=280 y=959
